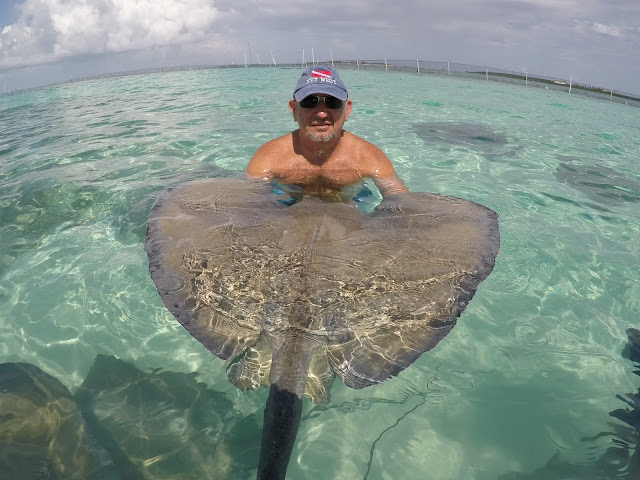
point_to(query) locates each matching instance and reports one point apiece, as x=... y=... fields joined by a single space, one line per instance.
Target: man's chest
x=336 y=171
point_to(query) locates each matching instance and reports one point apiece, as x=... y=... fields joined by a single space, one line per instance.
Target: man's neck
x=314 y=151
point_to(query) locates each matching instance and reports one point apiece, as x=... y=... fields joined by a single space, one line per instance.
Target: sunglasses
x=312 y=100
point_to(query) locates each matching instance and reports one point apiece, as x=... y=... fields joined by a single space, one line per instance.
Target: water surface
x=531 y=370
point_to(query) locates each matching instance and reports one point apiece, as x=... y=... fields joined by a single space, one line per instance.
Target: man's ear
x=347 y=110
x=292 y=108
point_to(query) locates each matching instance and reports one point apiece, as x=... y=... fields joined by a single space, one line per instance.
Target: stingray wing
x=200 y=242
x=423 y=257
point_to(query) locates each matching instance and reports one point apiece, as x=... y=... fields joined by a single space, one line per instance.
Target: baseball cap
x=320 y=79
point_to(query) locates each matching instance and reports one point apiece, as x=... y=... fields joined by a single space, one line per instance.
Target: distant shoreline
x=588 y=88
x=421 y=67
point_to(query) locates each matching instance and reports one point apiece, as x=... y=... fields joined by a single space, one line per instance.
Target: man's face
x=320 y=123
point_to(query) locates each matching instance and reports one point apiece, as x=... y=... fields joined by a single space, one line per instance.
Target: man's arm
x=382 y=172
x=390 y=185
x=260 y=164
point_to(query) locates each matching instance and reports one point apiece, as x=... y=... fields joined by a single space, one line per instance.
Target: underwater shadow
x=602 y=184
x=122 y=423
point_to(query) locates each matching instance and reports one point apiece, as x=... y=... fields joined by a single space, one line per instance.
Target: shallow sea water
x=523 y=385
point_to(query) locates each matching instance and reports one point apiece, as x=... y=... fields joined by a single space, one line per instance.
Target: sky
x=595 y=42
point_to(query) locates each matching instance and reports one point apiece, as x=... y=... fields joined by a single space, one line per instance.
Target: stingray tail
x=281 y=420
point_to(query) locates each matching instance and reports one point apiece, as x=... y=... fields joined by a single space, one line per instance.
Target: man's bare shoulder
x=264 y=158
x=369 y=156
x=372 y=162
x=283 y=142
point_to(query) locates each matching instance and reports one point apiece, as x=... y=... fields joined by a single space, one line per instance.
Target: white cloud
x=49 y=30
x=607 y=30
x=553 y=37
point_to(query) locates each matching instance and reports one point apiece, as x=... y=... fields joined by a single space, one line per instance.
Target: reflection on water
x=621 y=459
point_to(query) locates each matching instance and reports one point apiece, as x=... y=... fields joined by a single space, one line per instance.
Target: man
x=320 y=158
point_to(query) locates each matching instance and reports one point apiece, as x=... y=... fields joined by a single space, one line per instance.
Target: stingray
x=473 y=136
x=42 y=433
x=293 y=295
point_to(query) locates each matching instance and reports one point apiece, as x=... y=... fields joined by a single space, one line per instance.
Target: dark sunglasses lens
x=309 y=102
x=312 y=100
x=332 y=102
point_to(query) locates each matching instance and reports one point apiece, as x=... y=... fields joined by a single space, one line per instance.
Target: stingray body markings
x=291 y=295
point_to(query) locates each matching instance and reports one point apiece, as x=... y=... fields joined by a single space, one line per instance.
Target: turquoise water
x=532 y=368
